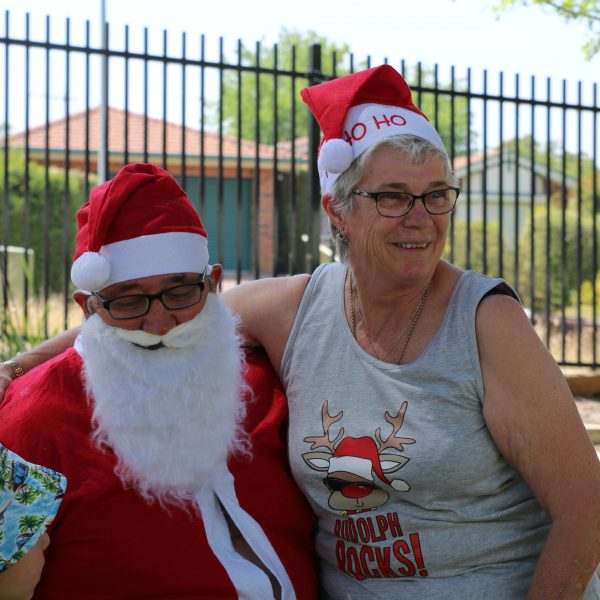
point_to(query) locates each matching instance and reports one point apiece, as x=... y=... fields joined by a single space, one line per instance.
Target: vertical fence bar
x=453 y=157
x=165 y=85
x=47 y=200
x=579 y=253
x=313 y=202
x=469 y=182
x=5 y=195
x=238 y=166
x=87 y=151
x=594 y=225
x=29 y=264
x=517 y=192
x=275 y=203
x=257 y=187
x=484 y=181
x=532 y=207
x=202 y=175
x=126 y=99
x=146 y=59
x=220 y=176
x=563 y=237
x=66 y=232
x=501 y=177
x=293 y=221
x=183 y=155
x=103 y=149
x=548 y=299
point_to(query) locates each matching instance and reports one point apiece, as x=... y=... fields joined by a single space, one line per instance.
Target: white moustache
x=181 y=336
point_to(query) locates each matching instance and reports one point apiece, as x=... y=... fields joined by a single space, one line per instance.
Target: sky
x=463 y=33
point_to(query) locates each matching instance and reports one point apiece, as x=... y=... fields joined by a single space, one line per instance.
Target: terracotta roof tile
x=136 y=123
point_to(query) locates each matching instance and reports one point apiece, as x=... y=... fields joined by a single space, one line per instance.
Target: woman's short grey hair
x=415 y=149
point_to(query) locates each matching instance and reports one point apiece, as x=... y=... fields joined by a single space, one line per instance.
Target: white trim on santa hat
x=362 y=467
x=144 y=256
x=366 y=124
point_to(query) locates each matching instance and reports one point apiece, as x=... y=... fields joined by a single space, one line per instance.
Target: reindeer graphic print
x=350 y=463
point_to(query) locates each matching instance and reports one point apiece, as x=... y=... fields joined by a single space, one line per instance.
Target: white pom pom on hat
x=90 y=271
x=335 y=156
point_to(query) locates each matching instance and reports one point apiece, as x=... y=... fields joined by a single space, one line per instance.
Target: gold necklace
x=412 y=323
x=372 y=345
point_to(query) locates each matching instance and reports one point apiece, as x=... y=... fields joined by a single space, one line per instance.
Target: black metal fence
x=231 y=127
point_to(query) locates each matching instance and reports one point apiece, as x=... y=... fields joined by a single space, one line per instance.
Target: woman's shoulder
x=474 y=284
x=266 y=309
x=265 y=295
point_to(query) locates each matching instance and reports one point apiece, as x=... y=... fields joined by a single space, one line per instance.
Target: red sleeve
x=42 y=406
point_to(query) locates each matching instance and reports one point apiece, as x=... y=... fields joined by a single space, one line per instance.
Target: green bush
x=41 y=216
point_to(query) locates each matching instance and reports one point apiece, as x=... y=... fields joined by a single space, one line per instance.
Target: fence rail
x=235 y=134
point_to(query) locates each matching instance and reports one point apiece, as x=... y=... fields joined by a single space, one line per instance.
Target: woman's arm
x=532 y=417
x=267 y=309
x=36 y=356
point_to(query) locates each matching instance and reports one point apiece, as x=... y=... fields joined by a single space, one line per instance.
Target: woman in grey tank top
x=434 y=436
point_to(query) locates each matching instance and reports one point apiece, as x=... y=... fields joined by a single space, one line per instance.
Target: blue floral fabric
x=29 y=499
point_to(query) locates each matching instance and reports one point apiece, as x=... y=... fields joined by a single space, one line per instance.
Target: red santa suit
x=108 y=543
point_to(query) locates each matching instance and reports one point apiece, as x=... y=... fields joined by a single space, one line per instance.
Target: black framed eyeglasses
x=134 y=306
x=397 y=204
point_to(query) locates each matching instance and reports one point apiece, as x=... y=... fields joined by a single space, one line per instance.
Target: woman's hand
x=36 y=356
x=6 y=377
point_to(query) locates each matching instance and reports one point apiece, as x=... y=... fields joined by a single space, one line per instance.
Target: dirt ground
x=589 y=409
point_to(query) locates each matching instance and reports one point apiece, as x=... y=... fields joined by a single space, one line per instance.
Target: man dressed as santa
x=171 y=443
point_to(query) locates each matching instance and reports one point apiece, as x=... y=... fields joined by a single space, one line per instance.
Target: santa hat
x=138 y=224
x=358 y=456
x=357 y=110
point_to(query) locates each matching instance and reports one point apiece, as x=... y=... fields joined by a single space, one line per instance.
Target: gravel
x=589 y=409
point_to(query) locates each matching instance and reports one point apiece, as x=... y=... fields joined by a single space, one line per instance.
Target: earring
x=341 y=238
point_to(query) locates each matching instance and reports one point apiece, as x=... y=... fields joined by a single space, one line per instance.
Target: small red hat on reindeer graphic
x=357 y=110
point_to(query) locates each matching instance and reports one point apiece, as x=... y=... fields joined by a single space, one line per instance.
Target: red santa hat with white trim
x=138 y=224
x=357 y=110
x=359 y=456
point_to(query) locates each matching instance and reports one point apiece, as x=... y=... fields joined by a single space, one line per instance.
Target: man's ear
x=334 y=217
x=216 y=272
x=86 y=302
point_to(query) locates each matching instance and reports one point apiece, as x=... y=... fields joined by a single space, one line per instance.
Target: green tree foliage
x=242 y=90
x=586 y=11
x=479 y=248
x=587 y=293
x=535 y=272
x=569 y=263
x=38 y=208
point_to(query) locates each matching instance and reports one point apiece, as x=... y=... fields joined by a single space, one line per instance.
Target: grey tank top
x=412 y=497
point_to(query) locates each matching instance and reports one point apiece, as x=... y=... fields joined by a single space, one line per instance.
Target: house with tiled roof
x=510 y=185
x=207 y=164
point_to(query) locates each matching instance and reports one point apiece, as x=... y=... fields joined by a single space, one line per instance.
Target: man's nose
x=159 y=320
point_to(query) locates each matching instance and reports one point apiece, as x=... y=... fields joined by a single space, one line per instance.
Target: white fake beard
x=171 y=415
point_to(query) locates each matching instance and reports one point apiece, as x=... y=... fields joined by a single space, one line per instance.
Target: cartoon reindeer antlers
x=396 y=422
x=328 y=421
